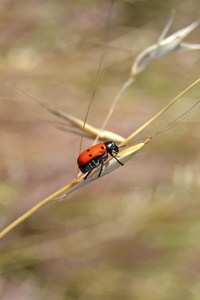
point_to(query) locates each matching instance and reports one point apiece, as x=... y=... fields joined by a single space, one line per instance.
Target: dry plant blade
x=75 y=184
x=159 y=113
x=76 y=123
x=88 y=129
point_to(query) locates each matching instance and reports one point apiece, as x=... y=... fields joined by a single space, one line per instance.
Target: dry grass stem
x=114 y=103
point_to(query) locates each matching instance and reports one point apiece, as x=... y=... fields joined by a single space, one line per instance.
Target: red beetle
x=92 y=157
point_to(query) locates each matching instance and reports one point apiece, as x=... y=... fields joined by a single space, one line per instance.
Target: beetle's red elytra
x=96 y=155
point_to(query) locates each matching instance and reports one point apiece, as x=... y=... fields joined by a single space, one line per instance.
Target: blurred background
x=134 y=234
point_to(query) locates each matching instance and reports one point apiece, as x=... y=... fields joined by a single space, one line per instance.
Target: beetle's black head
x=111 y=146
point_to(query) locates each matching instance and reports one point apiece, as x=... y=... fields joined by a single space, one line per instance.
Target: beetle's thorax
x=111 y=146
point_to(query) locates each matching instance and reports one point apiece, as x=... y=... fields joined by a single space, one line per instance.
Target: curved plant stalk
x=77 y=183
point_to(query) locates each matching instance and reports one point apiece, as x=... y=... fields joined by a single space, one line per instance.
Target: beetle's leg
x=117 y=159
x=87 y=175
x=101 y=169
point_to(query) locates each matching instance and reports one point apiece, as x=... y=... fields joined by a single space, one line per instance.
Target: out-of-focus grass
x=135 y=233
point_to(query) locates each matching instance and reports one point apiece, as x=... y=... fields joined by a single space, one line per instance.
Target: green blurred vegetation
x=135 y=233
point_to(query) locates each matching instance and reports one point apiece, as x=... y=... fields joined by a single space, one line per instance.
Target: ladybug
x=96 y=155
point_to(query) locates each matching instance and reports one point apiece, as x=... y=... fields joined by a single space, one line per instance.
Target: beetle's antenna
x=108 y=21
x=122 y=146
